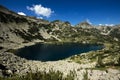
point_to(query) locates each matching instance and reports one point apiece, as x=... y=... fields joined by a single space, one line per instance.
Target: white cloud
x=109 y=24
x=106 y=24
x=100 y=24
x=39 y=17
x=40 y=10
x=88 y=21
x=21 y=13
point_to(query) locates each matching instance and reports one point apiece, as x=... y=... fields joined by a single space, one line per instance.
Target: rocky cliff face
x=18 y=29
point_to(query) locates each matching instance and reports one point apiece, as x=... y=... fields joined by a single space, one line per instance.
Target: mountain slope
x=18 y=29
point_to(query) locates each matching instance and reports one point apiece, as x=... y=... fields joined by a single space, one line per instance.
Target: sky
x=97 y=12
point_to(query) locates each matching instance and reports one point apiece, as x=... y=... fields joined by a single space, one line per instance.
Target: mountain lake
x=54 y=52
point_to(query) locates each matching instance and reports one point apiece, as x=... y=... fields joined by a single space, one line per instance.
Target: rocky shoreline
x=20 y=66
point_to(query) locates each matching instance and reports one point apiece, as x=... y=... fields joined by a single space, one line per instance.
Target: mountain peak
x=84 y=24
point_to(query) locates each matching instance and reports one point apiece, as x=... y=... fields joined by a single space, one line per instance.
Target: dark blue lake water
x=53 y=52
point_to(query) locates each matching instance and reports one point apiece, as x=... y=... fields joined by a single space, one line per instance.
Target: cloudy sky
x=95 y=11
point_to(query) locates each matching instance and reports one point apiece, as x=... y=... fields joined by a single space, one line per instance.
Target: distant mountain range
x=19 y=29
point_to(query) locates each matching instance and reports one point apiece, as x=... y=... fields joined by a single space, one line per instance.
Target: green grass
x=51 y=75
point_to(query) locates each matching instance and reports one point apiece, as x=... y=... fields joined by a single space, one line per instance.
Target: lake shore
x=23 y=65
